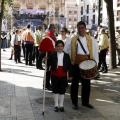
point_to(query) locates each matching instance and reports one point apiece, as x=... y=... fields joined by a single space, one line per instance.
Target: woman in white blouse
x=67 y=41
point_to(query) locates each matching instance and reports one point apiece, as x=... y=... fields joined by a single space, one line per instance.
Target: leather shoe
x=31 y=65
x=105 y=71
x=101 y=70
x=75 y=107
x=62 y=109
x=49 y=88
x=19 y=62
x=10 y=59
x=88 y=106
x=118 y=64
x=56 y=109
x=41 y=68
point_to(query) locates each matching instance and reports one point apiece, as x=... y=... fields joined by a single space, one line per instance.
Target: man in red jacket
x=47 y=45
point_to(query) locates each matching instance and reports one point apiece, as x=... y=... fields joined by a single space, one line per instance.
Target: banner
x=62 y=22
x=31 y=22
x=4 y=25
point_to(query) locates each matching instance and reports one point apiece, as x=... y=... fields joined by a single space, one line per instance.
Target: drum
x=88 y=69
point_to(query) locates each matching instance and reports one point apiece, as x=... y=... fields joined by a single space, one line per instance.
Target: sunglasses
x=62 y=31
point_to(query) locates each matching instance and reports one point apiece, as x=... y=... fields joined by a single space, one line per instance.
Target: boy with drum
x=80 y=53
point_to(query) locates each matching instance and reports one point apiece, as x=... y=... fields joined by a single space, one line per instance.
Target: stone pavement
x=21 y=95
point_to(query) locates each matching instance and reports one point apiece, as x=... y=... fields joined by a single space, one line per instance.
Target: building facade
x=89 y=12
x=71 y=14
x=117 y=14
x=32 y=10
x=71 y=10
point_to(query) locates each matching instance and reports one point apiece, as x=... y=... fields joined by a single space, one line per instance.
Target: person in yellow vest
x=103 y=48
x=38 y=39
x=77 y=56
x=28 y=38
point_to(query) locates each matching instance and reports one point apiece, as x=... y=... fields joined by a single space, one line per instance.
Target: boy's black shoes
x=75 y=107
x=56 y=109
x=62 y=109
x=88 y=106
x=105 y=71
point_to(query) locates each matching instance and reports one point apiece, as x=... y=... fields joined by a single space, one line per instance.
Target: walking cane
x=44 y=80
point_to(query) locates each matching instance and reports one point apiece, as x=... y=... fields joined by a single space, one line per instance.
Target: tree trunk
x=111 y=27
x=1 y=16
x=99 y=5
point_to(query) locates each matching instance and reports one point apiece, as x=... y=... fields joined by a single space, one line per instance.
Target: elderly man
x=48 y=45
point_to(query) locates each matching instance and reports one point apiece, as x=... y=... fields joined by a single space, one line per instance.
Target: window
x=75 y=19
x=87 y=20
x=118 y=13
x=118 y=19
x=70 y=19
x=118 y=4
x=81 y=18
x=82 y=10
x=87 y=11
x=93 y=7
x=100 y=18
x=93 y=19
x=75 y=12
x=101 y=8
x=70 y=12
x=117 y=27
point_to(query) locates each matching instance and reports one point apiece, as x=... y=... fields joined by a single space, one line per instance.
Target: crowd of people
x=65 y=53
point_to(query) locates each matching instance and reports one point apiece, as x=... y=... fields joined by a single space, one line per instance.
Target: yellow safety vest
x=106 y=43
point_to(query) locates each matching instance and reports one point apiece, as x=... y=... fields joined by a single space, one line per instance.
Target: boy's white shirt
x=60 y=58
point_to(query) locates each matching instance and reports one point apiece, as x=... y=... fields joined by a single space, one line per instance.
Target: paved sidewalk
x=21 y=95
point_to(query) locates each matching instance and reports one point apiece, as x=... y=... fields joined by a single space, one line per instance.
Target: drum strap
x=82 y=46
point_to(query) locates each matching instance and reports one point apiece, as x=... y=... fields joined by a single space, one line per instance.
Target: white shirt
x=60 y=58
x=14 y=41
x=95 y=49
x=102 y=40
x=84 y=43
